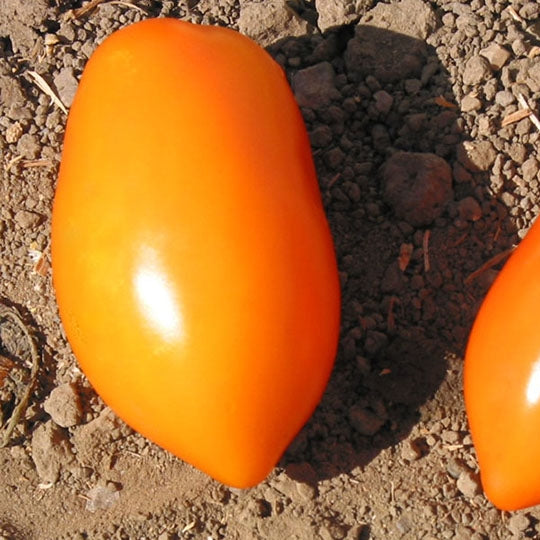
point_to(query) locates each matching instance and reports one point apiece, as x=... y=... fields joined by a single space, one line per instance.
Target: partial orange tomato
x=193 y=264
x=502 y=381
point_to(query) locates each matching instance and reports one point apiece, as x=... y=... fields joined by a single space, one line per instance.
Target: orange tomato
x=502 y=381
x=193 y=265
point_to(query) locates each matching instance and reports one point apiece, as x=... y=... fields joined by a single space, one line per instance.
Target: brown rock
x=28 y=146
x=476 y=155
x=470 y=103
x=477 y=70
x=64 y=406
x=51 y=451
x=366 y=421
x=469 y=209
x=413 y=18
x=314 y=87
x=386 y=55
x=66 y=84
x=339 y=12
x=496 y=55
x=267 y=21
x=417 y=186
x=468 y=483
x=27 y=219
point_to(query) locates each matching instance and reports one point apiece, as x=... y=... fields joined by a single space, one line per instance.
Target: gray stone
x=476 y=155
x=477 y=70
x=314 y=87
x=417 y=186
x=64 y=406
x=66 y=84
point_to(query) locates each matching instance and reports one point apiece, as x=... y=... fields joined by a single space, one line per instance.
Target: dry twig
x=514 y=14
x=525 y=105
x=425 y=248
x=30 y=163
x=443 y=102
x=405 y=252
x=42 y=84
x=534 y=52
x=391 y=318
x=487 y=265
x=333 y=180
x=12 y=162
x=516 y=116
x=10 y=313
x=128 y=4
x=6 y=365
x=79 y=12
x=89 y=6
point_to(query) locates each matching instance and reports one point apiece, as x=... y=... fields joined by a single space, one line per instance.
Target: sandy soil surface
x=387 y=455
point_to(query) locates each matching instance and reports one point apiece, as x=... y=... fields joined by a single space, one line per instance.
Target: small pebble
x=13 y=133
x=64 y=406
x=519 y=523
x=410 y=450
x=469 y=209
x=468 y=484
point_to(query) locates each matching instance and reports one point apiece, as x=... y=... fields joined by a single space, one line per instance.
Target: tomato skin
x=502 y=381
x=193 y=265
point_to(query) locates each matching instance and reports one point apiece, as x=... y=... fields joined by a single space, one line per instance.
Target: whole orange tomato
x=193 y=264
x=502 y=381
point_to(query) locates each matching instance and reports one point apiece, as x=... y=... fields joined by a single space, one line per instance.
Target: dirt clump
x=387 y=454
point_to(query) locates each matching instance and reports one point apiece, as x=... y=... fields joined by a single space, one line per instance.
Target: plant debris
x=17 y=380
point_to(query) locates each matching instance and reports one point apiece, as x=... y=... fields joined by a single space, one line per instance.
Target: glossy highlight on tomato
x=502 y=381
x=193 y=264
